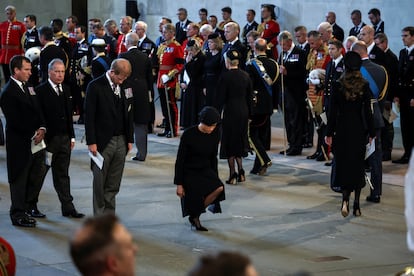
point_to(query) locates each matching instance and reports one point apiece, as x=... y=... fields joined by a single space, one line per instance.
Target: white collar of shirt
x=369 y=48
x=111 y=84
x=142 y=39
x=19 y=83
x=359 y=26
x=234 y=41
x=117 y=88
x=54 y=86
x=410 y=48
x=132 y=47
x=182 y=23
x=378 y=25
x=31 y=29
x=337 y=60
x=303 y=45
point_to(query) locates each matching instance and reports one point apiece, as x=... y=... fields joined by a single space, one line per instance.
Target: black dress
x=212 y=68
x=192 y=98
x=196 y=168
x=234 y=90
x=349 y=123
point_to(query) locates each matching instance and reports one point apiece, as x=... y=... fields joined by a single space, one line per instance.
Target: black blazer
x=338 y=32
x=354 y=32
x=405 y=75
x=294 y=81
x=377 y=55
x=391 y=65
x=100 y=113
x=141 y=82
x=50 y=104
x=240 y=48
x=23 y=117
x=47 y=55
x=246 y=29
x=180 y=34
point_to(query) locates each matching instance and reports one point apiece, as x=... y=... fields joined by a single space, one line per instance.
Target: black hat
x=213 y=36
x=209 y=116
x=226 y=9
x=191 y=43
x=352 y=61
x=233 y=55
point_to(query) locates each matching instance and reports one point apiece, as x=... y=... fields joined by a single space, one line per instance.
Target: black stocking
x=231 y=165
x=239 y=163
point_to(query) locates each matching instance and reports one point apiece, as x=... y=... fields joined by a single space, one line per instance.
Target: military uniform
x=11 y=34
x=79 y=79
x=32 y=40
x=171 y=58
x=270 y=30
x=263 y=72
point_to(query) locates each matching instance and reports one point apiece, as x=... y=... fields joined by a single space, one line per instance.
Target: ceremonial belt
x=10 y=47
x=166 y=67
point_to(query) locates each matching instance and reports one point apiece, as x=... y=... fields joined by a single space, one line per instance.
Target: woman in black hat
x=234 y=91
x=349 y=123
x=196 y=174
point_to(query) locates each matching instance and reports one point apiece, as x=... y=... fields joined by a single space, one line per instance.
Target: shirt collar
x=410 y=48
x=369 y=47
x=19 y=83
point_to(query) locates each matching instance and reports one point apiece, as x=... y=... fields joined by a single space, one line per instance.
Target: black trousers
x=375 y=162
x=257 y=140
x=59 y=146
x=294 y=121
x=25 y=189
x=173 y=109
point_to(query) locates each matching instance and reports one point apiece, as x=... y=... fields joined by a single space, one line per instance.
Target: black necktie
x=59 y=89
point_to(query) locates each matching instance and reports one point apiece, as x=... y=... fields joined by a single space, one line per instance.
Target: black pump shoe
x=195 y=222
x=356 y=210
x=241 y=177
x=232 y=179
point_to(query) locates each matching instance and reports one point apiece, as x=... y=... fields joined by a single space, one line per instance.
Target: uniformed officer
x=79 y=79
x=32 y=40
x=263 y=72
x=171 y=58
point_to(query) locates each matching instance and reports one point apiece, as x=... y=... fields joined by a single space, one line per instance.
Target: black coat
x=405 y=76
x=47 y=55
x=391 y=65
x=141 y=82
x=52 y=110
x=246 y=29
x=377 y=55
x=338 y=32
x=180 y=34
x=23 y=117
x=238 y=46
x=100 y=113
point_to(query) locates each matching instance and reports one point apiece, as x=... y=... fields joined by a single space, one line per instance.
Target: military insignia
x=57 y=42
x=319 y=56
x=16 y=27
x=372 y=56
x=31 y=39
x=128 y=93
x=146 y=46
x=294 y=58
x=339 y=69
x=31 y=90
x=169 y=49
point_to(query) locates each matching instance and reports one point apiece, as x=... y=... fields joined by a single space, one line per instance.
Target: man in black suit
x=141 y=82
x=32 y=40
x=49 y=52
x=337 y=31
x=292 y=63
x=301 y=35
x=25 y=126
x=405 y=93
x=377 y=78
x=148 y=47
x=356 y=18
x=109 y=131
x=181 y=25
x=55 y=103
x=231 y=32
x=213 y=21
x=374 y=16
x=251 y=25
x=263 y=72
x=375 y=54
x=391 y=65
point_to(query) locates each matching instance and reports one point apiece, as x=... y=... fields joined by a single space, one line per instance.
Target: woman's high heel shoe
x=241 y=177
x=195 y=222
x=356 y=210
x=345 y=208
x=232 y=179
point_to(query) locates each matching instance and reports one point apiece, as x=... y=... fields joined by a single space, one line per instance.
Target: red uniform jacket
x=11 y=34
x=171 y=57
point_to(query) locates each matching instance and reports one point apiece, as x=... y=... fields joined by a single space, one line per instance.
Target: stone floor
x=286 y=221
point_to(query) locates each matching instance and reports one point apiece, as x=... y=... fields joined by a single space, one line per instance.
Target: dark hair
x=46 y=32
x=56 y=24
x=357 y=12
x=352 y=82
x=226 y=9
x=99 y=235
x=203 y=10
x=166 y=19
x=300 y=28
x=17 y=62
x=82 y=28
x=32 y=17
x=183 y=10
x=213 y=16
x=74 y=19
x=252 y=11
x=223 y=264
x=375 y=12
x=336 y=43
x=381 y=36
x=409 y=29
x=314 y=34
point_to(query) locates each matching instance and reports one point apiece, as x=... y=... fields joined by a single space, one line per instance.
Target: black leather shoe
x=402 y=160
x=73 y=214
x=287 y=151
x=374 y=199
x=24 y=221
x=314 y=156
x=294 y=152
x=386 y=156
x=307 y=145
x=169 y=135
x=162 y=125
x=35 y=213
x=137 y=159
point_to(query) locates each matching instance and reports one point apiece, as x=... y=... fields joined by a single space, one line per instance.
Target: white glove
x=315 y=81
x=165 y=78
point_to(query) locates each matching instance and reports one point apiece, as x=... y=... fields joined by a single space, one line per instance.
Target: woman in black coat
x=196 y=174
x=349 y=124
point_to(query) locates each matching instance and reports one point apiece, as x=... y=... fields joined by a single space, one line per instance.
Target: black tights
x=346 y=194
x=232 y=165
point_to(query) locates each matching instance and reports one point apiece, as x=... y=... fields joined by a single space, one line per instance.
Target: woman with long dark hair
x=350 y=122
